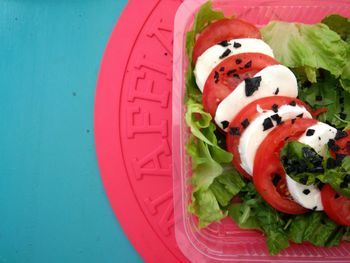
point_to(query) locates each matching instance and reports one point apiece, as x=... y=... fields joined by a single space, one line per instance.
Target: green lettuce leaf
x=338 y=177
x=347 y=234
x=339 y=24
x=345 y=81
x=206 y=207
x=208 y=204
x=213 y=186
x=326 y=93
x=345 y=76
x=227 y=185
x=272 y=223
x=204 y=168
x=202 y=128
x=301 y=162
x=208 y=159
x=204 y=16
x=244 y=213
x=316 y=228
x=219 y=154
x=310 y=47
x=197 y=119
x=304 y=165
x=254 y=213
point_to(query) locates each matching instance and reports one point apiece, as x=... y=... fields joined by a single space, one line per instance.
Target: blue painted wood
x=52 y=203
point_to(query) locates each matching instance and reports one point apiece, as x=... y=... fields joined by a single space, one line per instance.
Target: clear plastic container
x=224 y=241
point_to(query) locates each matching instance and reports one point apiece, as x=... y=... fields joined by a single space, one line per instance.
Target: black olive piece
x=317 y=160
x=310 y=132
x=318 y=97
x=301 y=166
x=236 y=76
x=317 y=169
x=275 y=108
x=343 y=184
x=306 y=191
x=225 y=54
x=216 y=75
x=340 y=134
x=319 y=185
x=277 y=118
x=347 y=178
x=308 y=153
x=235 y=131
x=333 y=146
x=303 y=180
x=339 y=158
x=267 y=124
x=224 y=43
x=248 y=64
x=330 y=163
x=276 y=178
x=342 y=115
x=225 y=124
x=230 y=72
x=236 y=45
x=252 y=85
x=245 y=123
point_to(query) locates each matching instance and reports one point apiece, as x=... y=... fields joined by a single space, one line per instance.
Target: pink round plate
x=132 y=124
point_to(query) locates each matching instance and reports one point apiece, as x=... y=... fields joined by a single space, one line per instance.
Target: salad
x=269 y=119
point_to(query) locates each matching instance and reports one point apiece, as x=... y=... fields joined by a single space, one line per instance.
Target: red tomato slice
x=336 y=206
x=267 y=164
x=249 y=113
x=223 y=29
x=225 y=77
x=344 y=144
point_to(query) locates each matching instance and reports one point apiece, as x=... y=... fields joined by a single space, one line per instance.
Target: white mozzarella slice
x=254 y=134
x=212 y=56
x=307 y=196
x=322 y=133
x=273 y=78
x=316 y=137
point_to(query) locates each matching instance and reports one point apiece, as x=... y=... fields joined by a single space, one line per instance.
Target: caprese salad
x=268 y=111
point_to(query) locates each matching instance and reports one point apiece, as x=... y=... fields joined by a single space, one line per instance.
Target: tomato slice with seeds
x=225 y=77
x=336 y=206
x=267 y=166
x=248 y=114
x=221 y=30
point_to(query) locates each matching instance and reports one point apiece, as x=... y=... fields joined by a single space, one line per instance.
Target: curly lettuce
x=319 y=55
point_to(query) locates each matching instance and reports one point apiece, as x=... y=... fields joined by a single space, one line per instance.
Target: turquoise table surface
x=53 y=207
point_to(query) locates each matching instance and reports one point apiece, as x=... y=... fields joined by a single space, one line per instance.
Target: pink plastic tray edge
x=183 y=17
